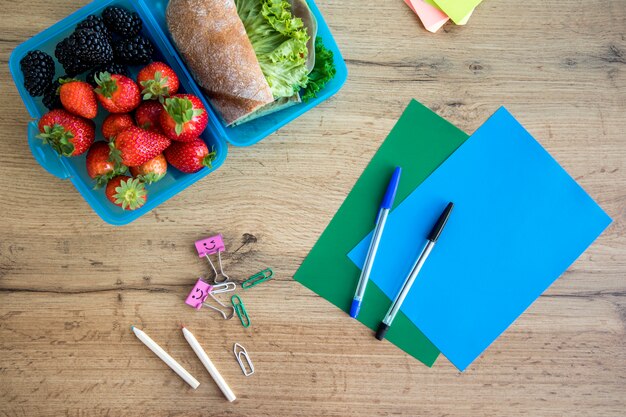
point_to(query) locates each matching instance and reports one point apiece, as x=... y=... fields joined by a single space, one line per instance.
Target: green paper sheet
x=457 y=10
x=419 y=142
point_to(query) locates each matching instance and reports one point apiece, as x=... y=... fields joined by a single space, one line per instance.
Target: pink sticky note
x=210 y=245
x=432 y=17
x=198 y=294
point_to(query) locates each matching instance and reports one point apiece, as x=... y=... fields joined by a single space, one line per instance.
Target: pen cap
x=441 y=222
x=390 y=194
x=381 y=331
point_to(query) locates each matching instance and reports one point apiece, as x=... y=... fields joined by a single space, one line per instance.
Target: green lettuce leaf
x=323 y=71
x=279 y=42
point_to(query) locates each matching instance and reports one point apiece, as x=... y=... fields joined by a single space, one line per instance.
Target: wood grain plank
x=70 y=285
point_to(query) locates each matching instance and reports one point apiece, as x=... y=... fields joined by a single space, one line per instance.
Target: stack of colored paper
x=435 y=13
x=519 y=221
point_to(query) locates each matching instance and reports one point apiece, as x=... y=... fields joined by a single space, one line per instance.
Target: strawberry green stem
x=106 y=85
x=131 y=194
x=207 y=161
x=59 y=139
x=155 y=88
x=182 y=111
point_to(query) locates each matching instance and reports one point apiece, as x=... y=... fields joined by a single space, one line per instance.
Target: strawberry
x=116 y=123
x=189 y=157
x=78 y=98
x=158 y=81
x=184 y=118
x=147 y=115
x=135 y=146
x=117 y=93
x=151 y=171
x=100 y=167
x=69 y=135
x=127 y=192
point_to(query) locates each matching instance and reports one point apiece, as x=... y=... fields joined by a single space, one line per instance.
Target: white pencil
x=171 y=362
x=217 y=377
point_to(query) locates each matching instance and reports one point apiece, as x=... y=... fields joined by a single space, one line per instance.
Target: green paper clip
x=258 y=278
x=240 y=309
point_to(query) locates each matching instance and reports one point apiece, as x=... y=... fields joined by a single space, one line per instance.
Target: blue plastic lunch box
x=216 y=136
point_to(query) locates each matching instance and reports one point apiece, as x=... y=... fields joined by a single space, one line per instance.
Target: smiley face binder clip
x=202 y=291
x=210 y=246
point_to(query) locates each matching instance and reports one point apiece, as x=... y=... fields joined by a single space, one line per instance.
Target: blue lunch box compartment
x=216 y=135
x=251 y=132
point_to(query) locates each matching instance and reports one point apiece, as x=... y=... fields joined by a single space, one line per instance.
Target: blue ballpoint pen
x=385 y=206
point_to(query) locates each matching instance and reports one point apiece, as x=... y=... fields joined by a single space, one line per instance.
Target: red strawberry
x=158 y=81
x=69 y=135
x=184 y=118
x=115 y=124
x=147 y=115
x=100 y=167
x=189 y=156
x=117 y=93
x=127 y=192
x=151 y=171
x=135 y=146
x=78 y=98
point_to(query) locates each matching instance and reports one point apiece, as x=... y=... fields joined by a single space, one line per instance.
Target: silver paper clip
x=240 y=351
x=223 y=287
x=222 y=312
x=210 y=246
x=201 y=291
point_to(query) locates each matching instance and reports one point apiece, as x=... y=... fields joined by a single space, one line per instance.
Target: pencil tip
x=132 y=327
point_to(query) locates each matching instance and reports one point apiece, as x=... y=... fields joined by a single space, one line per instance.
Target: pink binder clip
x=210 y=246
x=201 y=291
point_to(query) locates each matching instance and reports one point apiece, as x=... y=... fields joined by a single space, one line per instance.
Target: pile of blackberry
x=98 y=44
x=38 y=70
x=100 y=41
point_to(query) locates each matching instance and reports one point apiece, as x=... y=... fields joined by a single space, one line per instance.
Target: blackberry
x=50 y=97
x=134 y=51
x=65 y=53
x=96 y=24
x=91 y=47
x=38 y=70
x=110 y=68
x=122 y=22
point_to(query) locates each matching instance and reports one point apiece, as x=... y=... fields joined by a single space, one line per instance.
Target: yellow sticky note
x=458 y=10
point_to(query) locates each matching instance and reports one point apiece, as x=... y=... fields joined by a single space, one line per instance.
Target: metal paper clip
x=240 y=309
x=258 y=278
x=222 y=312
x=209 y=246
x=223 y=287
x=239 y=352
x=201 y=291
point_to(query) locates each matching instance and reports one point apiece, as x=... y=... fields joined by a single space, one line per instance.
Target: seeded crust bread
x=213 y=42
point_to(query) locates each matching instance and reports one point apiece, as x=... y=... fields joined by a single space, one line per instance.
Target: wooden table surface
x=71 y=285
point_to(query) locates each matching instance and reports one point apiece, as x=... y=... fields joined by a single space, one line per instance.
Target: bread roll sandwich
x=250 y=57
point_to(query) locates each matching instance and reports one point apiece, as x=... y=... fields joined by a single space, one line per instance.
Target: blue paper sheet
x=519 y=221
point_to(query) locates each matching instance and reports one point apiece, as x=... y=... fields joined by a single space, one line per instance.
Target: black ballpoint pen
x=408 y=282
